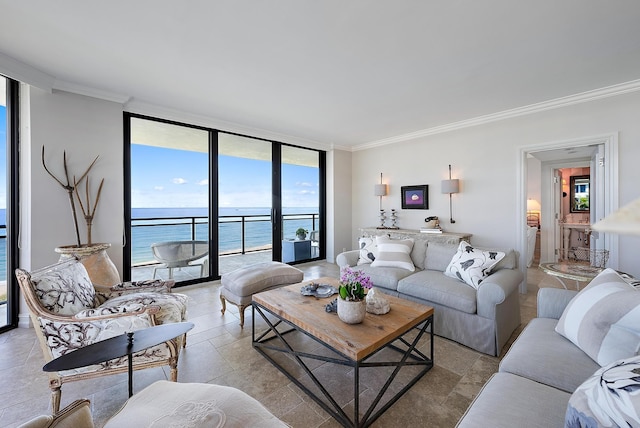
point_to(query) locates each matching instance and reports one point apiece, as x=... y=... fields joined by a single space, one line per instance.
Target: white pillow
x=603 y=319
x=368 y=250
x=394 y=253
x=610 y=397
x=472 y=265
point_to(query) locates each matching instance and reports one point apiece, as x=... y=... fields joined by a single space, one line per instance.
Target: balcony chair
x=69 y=312
x=315 y=242
x=179 y=254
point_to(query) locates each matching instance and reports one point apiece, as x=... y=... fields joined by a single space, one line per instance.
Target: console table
x=444 y=237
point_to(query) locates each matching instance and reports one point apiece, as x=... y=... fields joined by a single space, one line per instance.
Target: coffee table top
x=355 y=341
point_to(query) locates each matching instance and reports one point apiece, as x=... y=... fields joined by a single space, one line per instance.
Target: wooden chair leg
x=174 y=372
x=224 y=304
x=56 y=393
x=241 y=308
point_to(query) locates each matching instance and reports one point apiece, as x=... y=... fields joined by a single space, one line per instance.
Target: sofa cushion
x=418 y=253
x=368 y=250
x=507 y=401
x=65 y=291
x=542 y=355
x=610 y=397
x=603 y=319
x=433 y=286
x=439 y=255
x=472 y=265
x=385 y=277
x=394 y=253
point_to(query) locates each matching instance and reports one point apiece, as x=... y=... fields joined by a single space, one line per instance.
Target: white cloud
x=304 y=184
x=179 y=181
x=158 y=188
x=204 y=182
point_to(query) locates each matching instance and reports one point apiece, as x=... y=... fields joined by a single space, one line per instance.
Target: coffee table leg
x=130 y=361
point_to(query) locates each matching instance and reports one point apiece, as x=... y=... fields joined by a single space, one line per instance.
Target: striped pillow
x=604 y=319
x=394 y=253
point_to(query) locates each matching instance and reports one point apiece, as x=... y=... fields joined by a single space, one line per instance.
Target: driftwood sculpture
x=70 y=189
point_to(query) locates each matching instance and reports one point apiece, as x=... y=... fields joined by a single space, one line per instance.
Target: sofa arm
x=494 y=290
x=552 y=301
x=348 y=258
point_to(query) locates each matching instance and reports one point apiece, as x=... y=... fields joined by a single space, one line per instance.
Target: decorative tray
x=318 y=290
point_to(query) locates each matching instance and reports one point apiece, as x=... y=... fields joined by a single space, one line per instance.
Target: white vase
x=351 y=312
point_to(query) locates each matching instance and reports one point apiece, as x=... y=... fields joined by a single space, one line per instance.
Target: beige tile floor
x=219 y=352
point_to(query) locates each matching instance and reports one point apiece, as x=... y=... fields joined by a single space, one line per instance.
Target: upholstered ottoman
x=169 y=404
x=239 y=285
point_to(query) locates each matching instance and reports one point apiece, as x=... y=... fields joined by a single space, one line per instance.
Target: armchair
x=68 y=312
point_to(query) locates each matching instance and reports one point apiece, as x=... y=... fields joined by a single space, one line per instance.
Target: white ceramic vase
x=351 y=312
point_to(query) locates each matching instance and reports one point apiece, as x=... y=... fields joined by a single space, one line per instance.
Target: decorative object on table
x=450 y=186
x=301 y=233
x=383 y=217
x=415 y=197
x=351 y=303
x=332 y=306
x=394 y=220
x=431 y=225
x=318 y=290
x=376 y=303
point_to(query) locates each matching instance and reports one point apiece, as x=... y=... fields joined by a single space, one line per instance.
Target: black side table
x=118 y=346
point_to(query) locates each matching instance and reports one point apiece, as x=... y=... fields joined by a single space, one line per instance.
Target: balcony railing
x=239 y=234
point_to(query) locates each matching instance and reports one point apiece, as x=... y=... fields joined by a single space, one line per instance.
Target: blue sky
x=3 y=157
x=177 y=178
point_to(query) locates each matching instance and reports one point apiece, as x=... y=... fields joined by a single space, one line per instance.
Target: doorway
x=600 y=155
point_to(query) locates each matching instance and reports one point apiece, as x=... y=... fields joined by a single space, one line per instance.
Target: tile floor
x=218 y=351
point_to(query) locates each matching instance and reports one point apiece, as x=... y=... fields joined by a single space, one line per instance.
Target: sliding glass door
x=169 y=212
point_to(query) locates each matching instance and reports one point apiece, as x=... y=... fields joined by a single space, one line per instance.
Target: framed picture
x=415 y=197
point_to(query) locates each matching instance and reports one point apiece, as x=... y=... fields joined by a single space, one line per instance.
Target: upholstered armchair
x=68 y=312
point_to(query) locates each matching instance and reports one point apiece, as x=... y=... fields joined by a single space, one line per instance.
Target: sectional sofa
x=481 y=316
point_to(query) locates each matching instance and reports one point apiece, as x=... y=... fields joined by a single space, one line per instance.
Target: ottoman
x=240 y=285
x=172 y=404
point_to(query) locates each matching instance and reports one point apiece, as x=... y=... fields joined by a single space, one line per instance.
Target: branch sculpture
x=88 y=212
x=70 y=188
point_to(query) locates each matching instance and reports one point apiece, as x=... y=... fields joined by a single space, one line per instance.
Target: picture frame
x=415 y=197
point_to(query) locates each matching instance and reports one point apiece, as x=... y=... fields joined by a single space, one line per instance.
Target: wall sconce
x=450 y=186
x=380 y=190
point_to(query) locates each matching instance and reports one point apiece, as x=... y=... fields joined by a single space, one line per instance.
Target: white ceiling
x=347 y=74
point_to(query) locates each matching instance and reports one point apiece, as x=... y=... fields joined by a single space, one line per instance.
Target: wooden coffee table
x=285 y=311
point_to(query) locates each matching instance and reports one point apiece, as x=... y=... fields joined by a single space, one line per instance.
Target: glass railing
x=238 y=234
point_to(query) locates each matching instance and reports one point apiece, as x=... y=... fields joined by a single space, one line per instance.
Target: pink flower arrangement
x=353 y=283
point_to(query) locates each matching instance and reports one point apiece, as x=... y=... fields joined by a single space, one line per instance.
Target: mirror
x=579 y=193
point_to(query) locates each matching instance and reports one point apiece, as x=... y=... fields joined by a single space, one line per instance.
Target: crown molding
x=61 y=85
x=583 y=97
x=154 y=110
x=22 y=72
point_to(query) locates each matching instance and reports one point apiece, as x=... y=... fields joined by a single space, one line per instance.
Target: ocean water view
x=176 y=224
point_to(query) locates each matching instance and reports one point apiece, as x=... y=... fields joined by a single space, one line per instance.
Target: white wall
x=485 y=158
x=339 y=198
x=84 y=127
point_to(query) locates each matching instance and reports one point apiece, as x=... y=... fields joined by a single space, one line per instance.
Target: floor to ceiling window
x=8 y=202
x=169 y=213
x=257 y=192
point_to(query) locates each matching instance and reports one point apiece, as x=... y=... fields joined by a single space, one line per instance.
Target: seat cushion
x=434 y=286
x=542 y=355
x=173 y=306
x=248 y=280
x=508 y=401
x=164 y=404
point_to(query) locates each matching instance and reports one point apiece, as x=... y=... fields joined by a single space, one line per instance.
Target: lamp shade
x=533 y=205
x=380 y=190
x=626 y=220
x=450 y=186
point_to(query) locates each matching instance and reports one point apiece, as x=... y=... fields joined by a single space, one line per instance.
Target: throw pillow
x=610 y=397
x=368 y=250
x=394 y=253
x=65 y=291
x=603 y=319
x=472 y=265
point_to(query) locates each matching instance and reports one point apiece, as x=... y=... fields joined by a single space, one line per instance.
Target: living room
x=486 y=145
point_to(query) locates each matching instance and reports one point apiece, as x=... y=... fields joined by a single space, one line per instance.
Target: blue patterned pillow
x=472 y=265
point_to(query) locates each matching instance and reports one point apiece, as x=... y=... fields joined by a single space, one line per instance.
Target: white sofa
x=545 y=380
x=482 y=318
